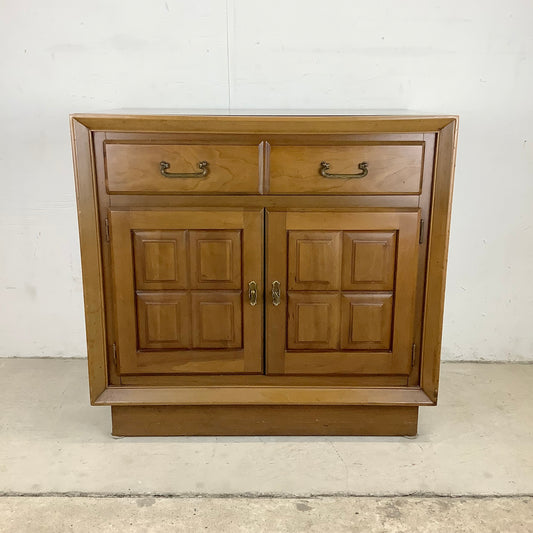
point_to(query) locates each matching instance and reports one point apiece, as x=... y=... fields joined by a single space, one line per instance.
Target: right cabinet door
x=341 y=291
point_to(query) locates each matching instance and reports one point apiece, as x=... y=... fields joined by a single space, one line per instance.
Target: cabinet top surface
x=299 y=112
x=267 y=121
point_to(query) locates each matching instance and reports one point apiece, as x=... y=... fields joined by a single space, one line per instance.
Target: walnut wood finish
x=313 y=321
x=314 y=260
x=164 y=320
x=391 y=169
x=134 y=168
x=160 y=259
x=207 y=327
x=264 y=420
x=368 y=260
x=437 y=260
x=265 y=395
x=167 y=261
x=311 y=312
x=199 y=380
x=91 y=258
x=264 y=124
x=367 y=321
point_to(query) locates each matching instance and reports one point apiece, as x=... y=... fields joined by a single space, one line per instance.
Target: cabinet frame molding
x=99 y=346
x=439 y=231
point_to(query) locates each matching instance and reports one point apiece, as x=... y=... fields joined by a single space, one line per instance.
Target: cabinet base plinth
x=129 y=421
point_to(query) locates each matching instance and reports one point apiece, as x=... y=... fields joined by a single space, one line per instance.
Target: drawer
x=390 y=169
x=137 y=168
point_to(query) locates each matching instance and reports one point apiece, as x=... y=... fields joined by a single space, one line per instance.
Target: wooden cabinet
x=263 y=275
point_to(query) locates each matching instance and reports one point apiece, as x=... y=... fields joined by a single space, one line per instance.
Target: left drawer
x=183 y=168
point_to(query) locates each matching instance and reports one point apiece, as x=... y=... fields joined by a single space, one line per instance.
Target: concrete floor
x=227 y=515
x=478 y=441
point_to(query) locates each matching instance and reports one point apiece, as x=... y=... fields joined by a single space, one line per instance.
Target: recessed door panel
x=347 y=283
x=181 y=289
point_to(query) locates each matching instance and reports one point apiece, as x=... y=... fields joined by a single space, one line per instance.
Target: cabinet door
x=181 y=290
x=347 y=285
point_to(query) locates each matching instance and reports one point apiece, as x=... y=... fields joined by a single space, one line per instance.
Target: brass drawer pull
x=202 y=165
x=276 y=293
x=252 y=293
x=324 y=167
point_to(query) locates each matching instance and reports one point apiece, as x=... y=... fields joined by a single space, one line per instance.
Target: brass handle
x=202 y=165
x=324 y=167
x=276 y=293
x=252 y=293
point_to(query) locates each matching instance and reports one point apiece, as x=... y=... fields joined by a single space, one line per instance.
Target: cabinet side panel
x=90 y=257
x=437 y=260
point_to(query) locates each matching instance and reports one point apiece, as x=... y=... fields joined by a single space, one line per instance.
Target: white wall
x=462 y=57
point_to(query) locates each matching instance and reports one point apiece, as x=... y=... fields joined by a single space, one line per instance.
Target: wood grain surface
x=391 y=169
x=134 y=168
x=360 y=261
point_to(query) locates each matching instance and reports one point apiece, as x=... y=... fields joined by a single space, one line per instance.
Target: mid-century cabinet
x=264 y=274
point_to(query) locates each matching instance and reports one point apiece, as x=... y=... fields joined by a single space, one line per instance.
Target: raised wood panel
x=215 y=259
x=314 y=260
x=366 y=321
x=160 y=259
x=164 y=320
x=392 y=169
x=204 y=328
x=368 y=260
x=313 y=321
x=134 y=168
x=377 y=327
x=217 y=319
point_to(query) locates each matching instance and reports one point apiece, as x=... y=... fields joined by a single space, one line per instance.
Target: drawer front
x=390 y=169
x=136 y=168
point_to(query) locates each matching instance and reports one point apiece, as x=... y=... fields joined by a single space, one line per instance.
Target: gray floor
x=477 y=442
x=226 y=515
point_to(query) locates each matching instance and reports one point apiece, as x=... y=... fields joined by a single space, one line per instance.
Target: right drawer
x=354 y=169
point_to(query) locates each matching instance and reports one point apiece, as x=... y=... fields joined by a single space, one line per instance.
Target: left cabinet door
x=183 y=283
